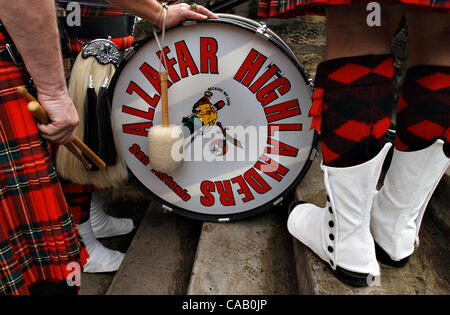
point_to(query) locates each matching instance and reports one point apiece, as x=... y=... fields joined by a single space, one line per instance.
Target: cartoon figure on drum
x=204 y=113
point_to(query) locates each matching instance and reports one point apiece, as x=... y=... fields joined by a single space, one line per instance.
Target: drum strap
x=9 y=52
x=163 y=33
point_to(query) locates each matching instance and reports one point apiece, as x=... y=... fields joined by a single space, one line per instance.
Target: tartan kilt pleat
x=38 y=239
x=290 y=8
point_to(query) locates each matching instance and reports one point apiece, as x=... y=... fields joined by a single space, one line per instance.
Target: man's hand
x=32 y=26
x=153 y=11
x=178 y=13
x=63 y=117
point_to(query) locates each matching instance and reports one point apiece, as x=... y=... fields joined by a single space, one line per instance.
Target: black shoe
x=385 y=259
x=353 y=279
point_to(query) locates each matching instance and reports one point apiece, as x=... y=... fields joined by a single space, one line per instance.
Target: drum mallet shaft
x=39 y=112
x=164 y=152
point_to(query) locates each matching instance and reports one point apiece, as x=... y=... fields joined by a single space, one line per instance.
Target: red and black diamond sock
x=423 y=112
x=78 y=199
x=79 y=206
x=356 y=107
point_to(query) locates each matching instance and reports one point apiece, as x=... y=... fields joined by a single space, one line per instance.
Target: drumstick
x=71 y=147
x=41 y=115
x=24 y=92
x=164 y=100
x=89 y=153
x=38 y=111
x=236 y=142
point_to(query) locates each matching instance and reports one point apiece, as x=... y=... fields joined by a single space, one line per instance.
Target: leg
x=428 y=38
x=424 y=106
x=422 y=144
x=349 y=35
x=357 y=79
x=105 y=225
x=354 y=91
x=80 y=200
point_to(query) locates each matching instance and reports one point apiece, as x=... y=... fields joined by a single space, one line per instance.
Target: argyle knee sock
x=79 y=202
x=423 y=112
x=355 y=96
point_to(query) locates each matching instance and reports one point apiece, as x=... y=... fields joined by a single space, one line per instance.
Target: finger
x=47 y=130
x=201 y=9
x=58 y=139
x=192 y=15
x=52 y=139
x=53 y=134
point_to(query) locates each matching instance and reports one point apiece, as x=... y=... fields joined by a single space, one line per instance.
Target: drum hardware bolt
x=262 y=30
x=314 y=153
x=224 y=220
x=279 y=200
x=166 y=208
x=128 y=53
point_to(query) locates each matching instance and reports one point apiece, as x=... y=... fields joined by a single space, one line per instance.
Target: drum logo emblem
x=204 y=116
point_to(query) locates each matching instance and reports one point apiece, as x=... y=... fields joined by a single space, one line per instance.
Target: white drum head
x=222 y=75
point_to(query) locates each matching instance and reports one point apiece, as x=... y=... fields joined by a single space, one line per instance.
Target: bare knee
x=349 y=34
x=429 y=42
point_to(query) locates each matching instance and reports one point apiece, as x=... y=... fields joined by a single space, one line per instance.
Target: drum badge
x=204 y=116
x=105 y=51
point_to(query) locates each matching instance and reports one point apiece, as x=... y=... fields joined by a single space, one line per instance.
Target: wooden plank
x=123 y=201
x=160 y=258
x=252 y=256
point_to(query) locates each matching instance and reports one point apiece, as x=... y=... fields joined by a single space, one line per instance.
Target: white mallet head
x=165 y=148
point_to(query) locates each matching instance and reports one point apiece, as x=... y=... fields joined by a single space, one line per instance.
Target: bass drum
x=243 y=100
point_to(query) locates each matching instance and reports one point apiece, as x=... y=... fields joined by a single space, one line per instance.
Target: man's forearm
x=147 y=9
x=32 y=26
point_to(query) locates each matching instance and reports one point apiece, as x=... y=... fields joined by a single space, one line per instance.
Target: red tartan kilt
x=290 y=8
x=75 y=45
x=37 y=237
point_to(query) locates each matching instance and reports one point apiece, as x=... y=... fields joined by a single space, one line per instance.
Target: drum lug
x=128 y=53
x=313 y=154
x=263 y=31
x=166 y=208
x=224 y=220
x=278 y=201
